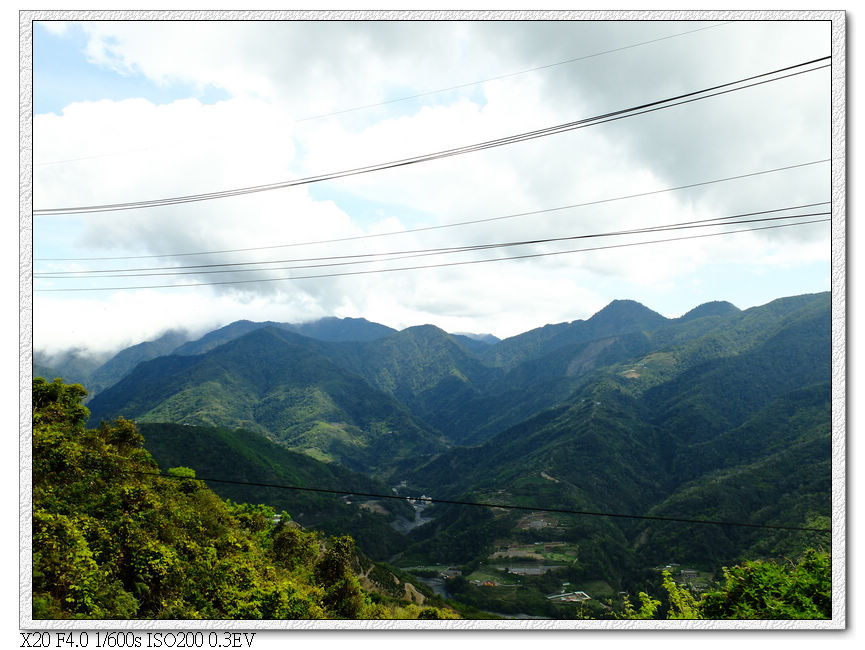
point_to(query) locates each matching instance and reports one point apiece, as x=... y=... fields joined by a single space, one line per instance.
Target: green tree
x=293 y=547
x=774 y=590
x=112 y=541
x=342 y=595
x=759 y=589
x=683 y=605
x=648 y=607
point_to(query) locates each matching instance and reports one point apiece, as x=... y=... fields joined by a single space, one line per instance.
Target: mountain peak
x=332 y=328
x=627 y=313
x=427 y=330
x=713 y=308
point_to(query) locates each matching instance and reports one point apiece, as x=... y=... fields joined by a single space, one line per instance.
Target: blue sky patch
x=368 y=212
x=62 y=76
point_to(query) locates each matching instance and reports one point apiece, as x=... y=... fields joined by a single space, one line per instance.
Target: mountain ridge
x=79 y=366
x=626 y=413
x=265 y=381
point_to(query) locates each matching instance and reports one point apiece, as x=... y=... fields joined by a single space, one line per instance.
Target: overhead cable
x=366 y=258
x=714 y=91
x=428 y=266
x=489 y=505
x=442 y=90
x=438 y=227
x=508 y=74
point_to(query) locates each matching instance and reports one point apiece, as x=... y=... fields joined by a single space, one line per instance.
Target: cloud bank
x=494 y=79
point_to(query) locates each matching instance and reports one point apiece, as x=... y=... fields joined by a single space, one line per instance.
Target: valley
x=584 y=441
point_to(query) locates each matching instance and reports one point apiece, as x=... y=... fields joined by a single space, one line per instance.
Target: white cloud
x=56 y=27
x=277 y=73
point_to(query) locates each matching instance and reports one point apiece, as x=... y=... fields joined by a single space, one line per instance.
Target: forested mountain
x=425 y=368
x=96 y=373
x=740 y=433
x=721 y=415
x=269 y=381
x=325 y=329
x=73 y=365
x=122 y=363
x=619 y=317
x=475 y=342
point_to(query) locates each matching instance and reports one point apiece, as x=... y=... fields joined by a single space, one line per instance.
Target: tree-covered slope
x=114 y=539
x=238 y=456
x=730 y=424
x=619 y=317
x=269 y=381
x=324 y=329
x=342 y=329
x=537 y=384
x=792 y=351
x=122 y=363
x=423 y=367
x=72 y=365
x=97 y=375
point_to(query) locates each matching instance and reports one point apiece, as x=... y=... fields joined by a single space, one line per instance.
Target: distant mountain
x=475 y=342
x=537 y=384
x=75 y=366
x=342 y=329
x=684 y=430
x=97 y=374
x=124 y=361
x=221 y=336
x=46 y=372
x=324 y=329
x=619 y=317
x=423 y=367
x=269 y=381
x=716 y=308
x=721 y=392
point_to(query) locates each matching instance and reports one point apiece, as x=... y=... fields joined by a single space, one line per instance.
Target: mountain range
x=721 y=415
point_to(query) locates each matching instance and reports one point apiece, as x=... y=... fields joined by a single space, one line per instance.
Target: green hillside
x=267 y=382
x=722 y=414
x=248 y=457
x=423 y=367
x=122 y=363
x=114 y=540
x=619 y=317
x=732 y=424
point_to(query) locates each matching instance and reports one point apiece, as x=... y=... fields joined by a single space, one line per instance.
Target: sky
x=139 y=111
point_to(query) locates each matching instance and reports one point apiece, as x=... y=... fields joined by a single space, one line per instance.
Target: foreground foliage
x=112 y=542
x=752 y=590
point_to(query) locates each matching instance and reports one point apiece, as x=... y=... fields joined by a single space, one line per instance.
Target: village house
x=688 y=574
x=570 y=597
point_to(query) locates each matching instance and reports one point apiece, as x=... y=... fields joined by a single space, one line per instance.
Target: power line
x=366 y=258
x=428 y=266
x=448 y=249
x=521 y=137
x=509 y=74
x=439 y=227
x=439 y=90
x=93 y=157
x=490 y=505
